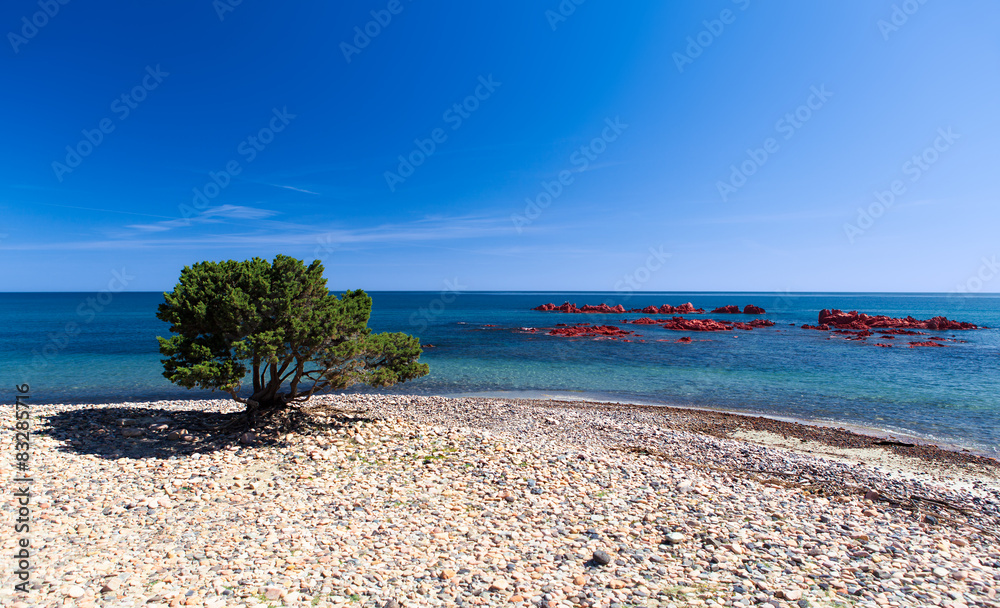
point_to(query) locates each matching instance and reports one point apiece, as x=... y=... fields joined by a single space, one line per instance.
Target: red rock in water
x=727 y=310
x=642 y=321
x=684 y=340
x=602 y=308
x=591 y=331
x=750 y=309
x=836 y=317
x=761 y=323
x=682 y=324
x=901 y=332
x=884 y=345
x=823 y=327
x=942 y=323
x=856 y=320
x=686 y=308
x=915 y=344
x=666 y=309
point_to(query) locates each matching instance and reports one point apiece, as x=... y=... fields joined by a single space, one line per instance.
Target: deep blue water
x=950 y=396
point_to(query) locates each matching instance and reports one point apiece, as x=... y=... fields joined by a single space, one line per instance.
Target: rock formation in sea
x=682 y=324
x=665 y=309
x=856 y=320
x=572 y=308
x=591 y=331
x=928 y=343
x=732 y=309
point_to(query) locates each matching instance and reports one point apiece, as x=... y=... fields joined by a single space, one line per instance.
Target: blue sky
x=711 y=146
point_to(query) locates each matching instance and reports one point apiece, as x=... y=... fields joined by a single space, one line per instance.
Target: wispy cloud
x=285 y=234
x=99 y=210
x=294 y=188
x=212 y=215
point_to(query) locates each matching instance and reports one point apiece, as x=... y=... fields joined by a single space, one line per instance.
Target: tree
x=277 y=323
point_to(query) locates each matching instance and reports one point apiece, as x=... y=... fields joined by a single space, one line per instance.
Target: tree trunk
x=252 y=413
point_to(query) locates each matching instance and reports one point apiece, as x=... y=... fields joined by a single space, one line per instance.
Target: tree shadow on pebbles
x=136 y=432
x=148 y=432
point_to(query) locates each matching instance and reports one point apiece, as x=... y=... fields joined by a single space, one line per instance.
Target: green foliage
x=278 y=323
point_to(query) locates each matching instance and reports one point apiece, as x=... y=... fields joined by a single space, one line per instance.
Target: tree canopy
x=278 y=324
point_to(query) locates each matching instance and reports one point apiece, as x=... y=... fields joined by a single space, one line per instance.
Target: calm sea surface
x=950 y=396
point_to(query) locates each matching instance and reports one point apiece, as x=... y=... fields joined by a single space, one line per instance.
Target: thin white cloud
x=294 y=188
x=288 y=234
x=238 y=212
x=212 y=215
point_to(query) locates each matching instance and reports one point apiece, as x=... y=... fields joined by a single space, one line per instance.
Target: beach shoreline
x=401 y=500
x=851 y=428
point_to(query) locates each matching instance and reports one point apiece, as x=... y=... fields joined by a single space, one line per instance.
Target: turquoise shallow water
x=949 y=396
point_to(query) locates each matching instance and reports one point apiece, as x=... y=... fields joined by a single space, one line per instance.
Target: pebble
x=675 y=538
x=427 y=501
x=75 y=591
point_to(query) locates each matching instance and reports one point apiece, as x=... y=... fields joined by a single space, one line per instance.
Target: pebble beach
x=393 y=501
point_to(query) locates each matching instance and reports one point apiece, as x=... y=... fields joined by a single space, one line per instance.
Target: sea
x=101 y=347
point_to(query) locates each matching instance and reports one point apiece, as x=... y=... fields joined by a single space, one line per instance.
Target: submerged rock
x=590 y=331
